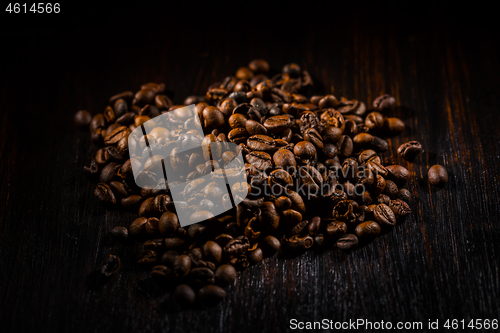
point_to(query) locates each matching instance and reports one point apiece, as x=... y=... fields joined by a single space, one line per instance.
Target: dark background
x=441 y=63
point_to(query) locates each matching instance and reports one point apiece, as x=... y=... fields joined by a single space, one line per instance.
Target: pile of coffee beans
x=314 y=176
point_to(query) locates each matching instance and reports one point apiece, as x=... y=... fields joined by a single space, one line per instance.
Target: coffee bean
x=397 y=173
x=367 y=230
x=347 y=242
x=384 y=102
x=277 y=124
x=225 y=275
x=184 y=294
x=259 y=66
x=82 y=119
x=399 y=207
x=384 y=215
x=104 y=194
x=261 y=142
x=111 y=265
x=212 y=251
x=437 y=175
x=410 y=150
x=120 y=233
x=211 y=294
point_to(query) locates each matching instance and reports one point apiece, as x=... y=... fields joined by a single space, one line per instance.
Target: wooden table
x=442 y=263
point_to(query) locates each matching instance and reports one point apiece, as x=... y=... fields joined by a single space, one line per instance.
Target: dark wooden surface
x=443 y=262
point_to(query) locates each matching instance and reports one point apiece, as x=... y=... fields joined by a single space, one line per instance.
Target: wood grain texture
x=443 y=262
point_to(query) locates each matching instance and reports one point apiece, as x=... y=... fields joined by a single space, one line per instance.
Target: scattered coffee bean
x=437 y=175
x=313 y=175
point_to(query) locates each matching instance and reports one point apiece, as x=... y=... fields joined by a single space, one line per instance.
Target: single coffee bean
x=277 y=124
x=133 y=201
x=259 y=66
x=384 y=102
x=184 y=294
x=374 y=121
x=399 y=207
x=384 y=215
x=437 y=175
x=255 y=256
x=397 y=173
x=120 y=233
x=212 y=251
x=243 y=73
x=393 y=126
x=225 y=275
x=336 y=228
x=253 y=127
x=410 y=150
x=261 y=142
x=270 y=245
x=104 y=194
x=138 y=226
x=211 y=294
x=367 y=230
x=404 y=195
x=182 y=265
x=82 y=119
x=347 y=242
x=111 y=265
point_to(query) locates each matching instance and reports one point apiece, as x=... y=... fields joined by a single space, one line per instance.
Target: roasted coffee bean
x=225 y=275
x=184 y=294
x=259 y=66
x=304 y=150
x=236 y=247
x=384 y=215
x=200 y=276
x=410 y=150
x=104 y=194
x=397 y=173
x=404 y=195
x=345 y=146
x=255 y=256
x=313 y=226
x=374 y=121
x=120 y=233
x=261 y=142
x=328 y=101
x=111 y=265
x=147 y=258
x=169 y=257
x=182 y=265
x=347 y=242
x=285 y=159
x=260 y=160
x=384 y=102
x=212 y=251
x=336 y=228
x=378 y=144
x=211 y=294
x=277 y=124
x=270 y=245
x=82 y=119
x=253 y=127
x=97 y=122
x=391 y=189
x=367 y=230
x=437 y=175
x=138 y=226
x=399 y=207
x=393 y=126
x=133 y=201
x=297 y=243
